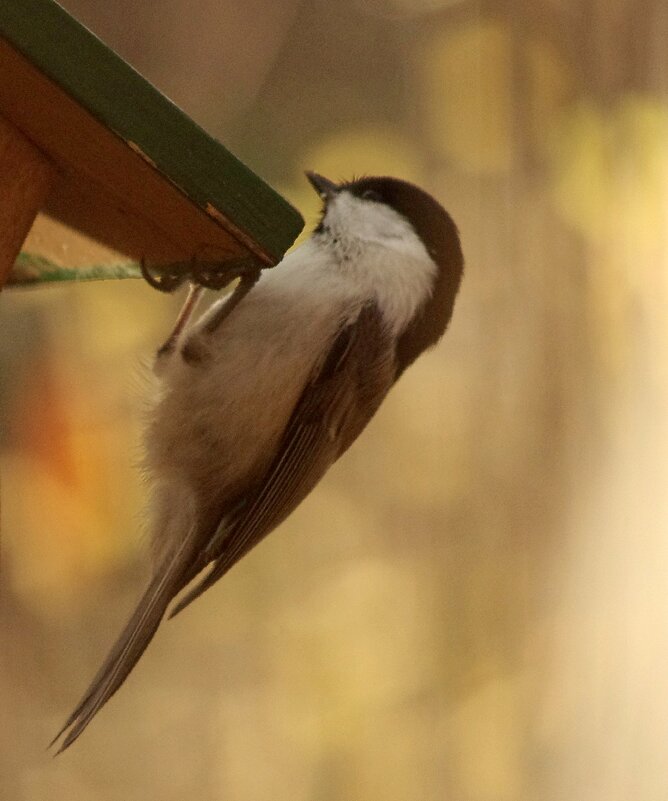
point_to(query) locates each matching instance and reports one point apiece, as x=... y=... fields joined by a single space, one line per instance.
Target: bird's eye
x=370 y=194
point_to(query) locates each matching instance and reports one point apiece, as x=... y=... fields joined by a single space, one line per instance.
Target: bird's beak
x=323 y=186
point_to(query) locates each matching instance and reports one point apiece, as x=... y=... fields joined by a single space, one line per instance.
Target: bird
x=259 y=397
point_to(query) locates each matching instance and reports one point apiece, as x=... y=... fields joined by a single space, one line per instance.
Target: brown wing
x=335 y=406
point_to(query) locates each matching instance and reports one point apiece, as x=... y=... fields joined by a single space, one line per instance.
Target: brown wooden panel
x=104 y=187
x=25 y=177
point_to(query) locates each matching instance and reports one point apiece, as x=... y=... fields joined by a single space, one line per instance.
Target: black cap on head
x=439 y=234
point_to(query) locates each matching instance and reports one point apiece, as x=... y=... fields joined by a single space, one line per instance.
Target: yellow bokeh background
x=472 y=605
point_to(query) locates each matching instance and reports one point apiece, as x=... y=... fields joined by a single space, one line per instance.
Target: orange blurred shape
x=41 y=422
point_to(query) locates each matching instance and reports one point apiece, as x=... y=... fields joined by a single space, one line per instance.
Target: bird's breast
x=218 y=422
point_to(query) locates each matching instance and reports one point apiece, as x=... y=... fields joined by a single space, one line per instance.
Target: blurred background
x=473 y=605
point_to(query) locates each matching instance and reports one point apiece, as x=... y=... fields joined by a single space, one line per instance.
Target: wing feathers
x=335 y=406
x=275 y=494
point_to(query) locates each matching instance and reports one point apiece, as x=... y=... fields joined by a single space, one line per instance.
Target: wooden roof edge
x=95 y=76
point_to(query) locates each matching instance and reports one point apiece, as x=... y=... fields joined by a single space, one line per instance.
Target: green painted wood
x=116 y=95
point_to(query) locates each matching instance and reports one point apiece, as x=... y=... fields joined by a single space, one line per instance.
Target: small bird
x=261 y=396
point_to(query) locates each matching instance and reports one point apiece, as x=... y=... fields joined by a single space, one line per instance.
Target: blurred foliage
x=472 y=604
x=450 y=61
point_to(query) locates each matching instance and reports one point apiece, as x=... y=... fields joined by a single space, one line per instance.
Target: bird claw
x=210 y=274
x=167 y=279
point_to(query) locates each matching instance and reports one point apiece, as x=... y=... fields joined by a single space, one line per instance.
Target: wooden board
x=133 y=171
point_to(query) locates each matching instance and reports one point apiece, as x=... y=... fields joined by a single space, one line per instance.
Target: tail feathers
x=127 y=650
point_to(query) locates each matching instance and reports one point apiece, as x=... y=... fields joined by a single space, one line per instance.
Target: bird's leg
x=194 y=349
x=246 y=282
x=189 y=306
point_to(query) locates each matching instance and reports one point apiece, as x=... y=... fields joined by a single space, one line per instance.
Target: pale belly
x=218 y=423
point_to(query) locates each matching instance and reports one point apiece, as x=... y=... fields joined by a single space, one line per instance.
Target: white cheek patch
x=381 y=252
